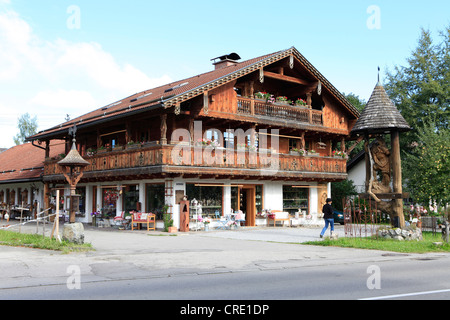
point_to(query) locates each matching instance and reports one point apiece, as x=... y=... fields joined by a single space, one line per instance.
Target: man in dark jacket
x=328 y=216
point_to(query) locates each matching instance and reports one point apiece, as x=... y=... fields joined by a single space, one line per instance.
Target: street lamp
x=72 y=166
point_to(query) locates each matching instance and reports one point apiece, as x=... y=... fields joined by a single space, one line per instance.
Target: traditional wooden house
x=252 y=135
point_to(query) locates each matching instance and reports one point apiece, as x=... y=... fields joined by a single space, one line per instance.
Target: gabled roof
x=379 y=115
x=25 y=162
x=170 y=95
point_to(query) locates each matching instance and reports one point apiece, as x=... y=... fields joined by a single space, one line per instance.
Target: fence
x=362 y=218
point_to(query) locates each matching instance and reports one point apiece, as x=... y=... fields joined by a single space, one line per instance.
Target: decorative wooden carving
x=164 y=129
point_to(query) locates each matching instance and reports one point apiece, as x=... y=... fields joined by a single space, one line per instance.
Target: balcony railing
x=256 y=107
x=185 y=157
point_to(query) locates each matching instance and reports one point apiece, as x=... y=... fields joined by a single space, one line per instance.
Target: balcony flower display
x=300 y=102
x=339 y=154
x=246 y=146
x=207 y=142
x=263 y=95
x=296 y=151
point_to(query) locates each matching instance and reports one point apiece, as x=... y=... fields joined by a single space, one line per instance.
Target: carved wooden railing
x=187 y=156
x=256 y=107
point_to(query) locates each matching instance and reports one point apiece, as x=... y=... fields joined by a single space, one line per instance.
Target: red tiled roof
x=173 y=93
x=25 y=161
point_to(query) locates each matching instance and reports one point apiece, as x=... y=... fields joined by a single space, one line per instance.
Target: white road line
x=406 y=295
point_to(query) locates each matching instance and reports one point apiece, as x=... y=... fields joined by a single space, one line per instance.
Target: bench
x=141 y=218
x=278 y=216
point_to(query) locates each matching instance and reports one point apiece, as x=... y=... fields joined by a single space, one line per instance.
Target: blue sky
x=61 y=57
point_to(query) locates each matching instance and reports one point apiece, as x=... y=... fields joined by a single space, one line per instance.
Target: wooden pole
x=397 y=177
x=37 y=217
x=56 y=221
x=21 y=217
x=367 y=161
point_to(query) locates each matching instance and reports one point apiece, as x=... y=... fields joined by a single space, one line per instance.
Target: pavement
x=126 y=254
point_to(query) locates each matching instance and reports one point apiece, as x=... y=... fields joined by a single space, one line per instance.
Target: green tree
x=427 y=167
x=359 y=104
x=340 y=191
x=27 y=127
x=356 y=101
x=421 y=90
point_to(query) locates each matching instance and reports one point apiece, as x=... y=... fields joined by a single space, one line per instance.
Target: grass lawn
x=15 y=239
x=426 y=245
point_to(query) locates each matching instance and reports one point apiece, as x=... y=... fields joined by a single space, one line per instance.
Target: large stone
x=74 y=233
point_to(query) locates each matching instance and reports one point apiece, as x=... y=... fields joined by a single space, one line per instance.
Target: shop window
x=295 y=199
x=155 y=196
x=130 y=198
x=210 y=198
x=109 y=201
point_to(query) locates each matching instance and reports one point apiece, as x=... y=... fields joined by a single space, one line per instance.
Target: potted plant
x=295 y=151
x=102 y=149
x=91 y=152
x=206 y=223
x=282 y=99
x=94 y=218
x=262 y=95
x=168 y=221
x=300 y=102
x=312 y=152
x=132 y=145
x=339 y=154
x=117 y=147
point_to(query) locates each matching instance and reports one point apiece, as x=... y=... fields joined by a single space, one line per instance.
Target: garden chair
x=119 y=220
x=224 y=222
x=240 y=217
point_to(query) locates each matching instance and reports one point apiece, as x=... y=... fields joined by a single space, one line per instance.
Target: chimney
x=225 y=60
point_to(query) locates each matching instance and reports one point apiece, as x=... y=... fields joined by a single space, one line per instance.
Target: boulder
x=74 y=233
x=408 y=233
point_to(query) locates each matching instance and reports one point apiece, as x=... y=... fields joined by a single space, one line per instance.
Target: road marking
x=407 y=295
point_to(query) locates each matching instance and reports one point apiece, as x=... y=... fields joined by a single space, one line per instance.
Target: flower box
x=172 y=229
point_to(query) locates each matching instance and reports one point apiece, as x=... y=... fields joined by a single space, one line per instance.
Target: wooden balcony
x=260 y=108
x=192 y=160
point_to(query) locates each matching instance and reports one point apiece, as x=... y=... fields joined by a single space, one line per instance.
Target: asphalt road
x=261 y=264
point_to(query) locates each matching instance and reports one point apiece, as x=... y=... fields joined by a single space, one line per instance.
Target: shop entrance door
x=247 y=204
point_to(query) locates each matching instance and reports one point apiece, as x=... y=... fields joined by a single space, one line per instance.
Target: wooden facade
x=135 y=139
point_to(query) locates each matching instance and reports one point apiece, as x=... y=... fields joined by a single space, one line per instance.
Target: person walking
x=328 y=216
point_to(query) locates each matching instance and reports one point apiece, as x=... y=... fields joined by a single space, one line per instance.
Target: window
x=130 y=198
x=81 y=211
x=155 y=196
x=295 y=199
x=109 y=201
x=210 y=198
x=292 y=144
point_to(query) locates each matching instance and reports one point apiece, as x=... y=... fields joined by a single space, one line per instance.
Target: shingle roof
x=73 y=158
x=169 y=95
x=379 y=115
x=25 y=162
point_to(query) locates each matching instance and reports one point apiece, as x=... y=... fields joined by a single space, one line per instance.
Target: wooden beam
x=282 y=77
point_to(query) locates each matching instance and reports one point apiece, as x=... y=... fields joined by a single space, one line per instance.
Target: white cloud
x=64 y=99
x=53 y=78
